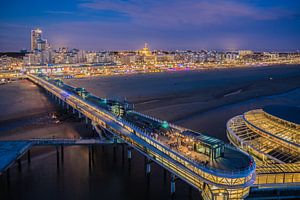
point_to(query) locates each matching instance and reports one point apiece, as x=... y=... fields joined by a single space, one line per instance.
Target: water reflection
x=90 y=173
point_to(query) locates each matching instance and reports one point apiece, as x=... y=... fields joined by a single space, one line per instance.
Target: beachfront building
x=147 y=56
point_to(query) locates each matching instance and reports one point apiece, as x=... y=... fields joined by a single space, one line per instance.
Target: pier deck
x=12 y=150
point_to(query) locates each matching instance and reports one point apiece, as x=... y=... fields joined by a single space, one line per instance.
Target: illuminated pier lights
x=272 y=136
x=219 y=170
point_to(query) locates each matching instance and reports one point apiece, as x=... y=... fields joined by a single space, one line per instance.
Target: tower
x=36 y=36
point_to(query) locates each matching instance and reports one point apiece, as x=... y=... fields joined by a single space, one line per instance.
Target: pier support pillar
x=114 y=152
x=62 y=152
x=173 y=189
x=73 y=110
x=148 y=168
x=90 y=155
x=8 y=176
x=28 y=156
x=86 y=121
x=129 y=155
x=57 y=156
x=19 y=164
x=123 y=150
x=93 y=129
x=79 y=115
x=68 y=106
x=148 y=165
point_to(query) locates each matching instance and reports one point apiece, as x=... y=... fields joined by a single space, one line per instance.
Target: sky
x=164 y=24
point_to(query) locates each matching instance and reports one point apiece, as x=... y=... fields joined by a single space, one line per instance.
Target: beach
x=195 y=99
x=27 y=113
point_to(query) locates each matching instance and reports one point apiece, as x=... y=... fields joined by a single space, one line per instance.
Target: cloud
x=193 y=12
x=164 y=24
x=121 y=36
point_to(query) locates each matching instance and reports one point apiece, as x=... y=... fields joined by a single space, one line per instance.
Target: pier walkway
x=12 y=150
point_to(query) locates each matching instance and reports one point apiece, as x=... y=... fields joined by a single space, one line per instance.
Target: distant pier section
x=12 y=151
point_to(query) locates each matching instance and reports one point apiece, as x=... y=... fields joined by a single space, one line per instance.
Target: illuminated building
x=146 y=54
x=144 y=60
x=231 y=56
x=245 y=52
x=37 y=42
x=36 y=34
x=272 y=136
x=145 y=51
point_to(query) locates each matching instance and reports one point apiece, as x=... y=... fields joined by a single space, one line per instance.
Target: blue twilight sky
x=164 y=24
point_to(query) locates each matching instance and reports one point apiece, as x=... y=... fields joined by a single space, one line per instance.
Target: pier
x=12 y=151
x=205 y=163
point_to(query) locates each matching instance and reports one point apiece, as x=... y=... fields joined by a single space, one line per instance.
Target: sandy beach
x=194 y=99
x=22 y=99
x=199 y=100
x=26 y=113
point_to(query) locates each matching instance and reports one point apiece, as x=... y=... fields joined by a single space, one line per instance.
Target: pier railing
x=205 y=168
x=63 y=141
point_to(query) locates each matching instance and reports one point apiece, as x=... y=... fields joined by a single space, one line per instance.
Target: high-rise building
x=36 y=35
x=37 y=42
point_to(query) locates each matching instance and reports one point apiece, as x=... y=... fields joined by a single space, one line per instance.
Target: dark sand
x=201 y=100
x=22 y=99
x=26 y=113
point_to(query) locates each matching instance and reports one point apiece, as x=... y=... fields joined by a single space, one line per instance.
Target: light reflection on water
x=108 y=177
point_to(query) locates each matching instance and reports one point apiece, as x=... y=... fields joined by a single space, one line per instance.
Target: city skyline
x=150 y=99
x=168 y=25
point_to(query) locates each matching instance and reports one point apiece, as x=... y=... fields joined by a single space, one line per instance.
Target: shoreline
x=229 y=95
x=244 y=101
x=180 y=105
x=179 y=97
x=205 y=68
